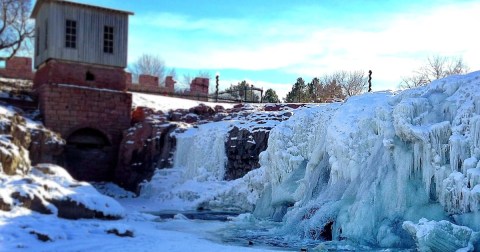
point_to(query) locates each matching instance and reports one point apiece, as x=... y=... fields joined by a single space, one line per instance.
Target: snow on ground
x=165 y=103
x=19 y=230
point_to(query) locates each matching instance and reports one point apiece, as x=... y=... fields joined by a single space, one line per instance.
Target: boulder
x=49 y=189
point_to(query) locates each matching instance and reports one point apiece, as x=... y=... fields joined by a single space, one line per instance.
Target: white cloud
x=391 y=50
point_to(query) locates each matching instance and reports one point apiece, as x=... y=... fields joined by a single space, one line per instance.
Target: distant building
x=80 y=57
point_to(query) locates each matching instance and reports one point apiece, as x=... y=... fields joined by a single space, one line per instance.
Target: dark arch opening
x=88 y=138
x=89 y=155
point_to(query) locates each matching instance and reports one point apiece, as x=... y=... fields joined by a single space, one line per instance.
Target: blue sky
x=271 y=43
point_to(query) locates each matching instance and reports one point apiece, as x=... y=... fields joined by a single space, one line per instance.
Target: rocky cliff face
x=20 y=138
x=150 y=144
x=145 y=147
x=244 y=144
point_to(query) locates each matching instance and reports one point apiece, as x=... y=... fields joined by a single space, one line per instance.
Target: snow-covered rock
x=441 y=236
x=49 y=189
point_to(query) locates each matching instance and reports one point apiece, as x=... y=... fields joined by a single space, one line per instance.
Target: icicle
x=475 y=134
x=458 y=152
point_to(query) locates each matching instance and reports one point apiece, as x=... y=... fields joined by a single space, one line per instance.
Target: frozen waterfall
x=363 y=167
x=362 y=171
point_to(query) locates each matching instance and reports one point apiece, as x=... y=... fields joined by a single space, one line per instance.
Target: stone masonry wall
x=61 y=72
x=66 y=108
x=18 y=68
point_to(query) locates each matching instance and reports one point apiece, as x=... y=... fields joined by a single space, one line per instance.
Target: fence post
x=251 y=94
x=245 y=96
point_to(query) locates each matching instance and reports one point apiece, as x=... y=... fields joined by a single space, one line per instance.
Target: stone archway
x=89 y=155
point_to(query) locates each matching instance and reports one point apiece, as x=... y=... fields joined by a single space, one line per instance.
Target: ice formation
x=364 y=167
x=441 y=236
x=355 y=171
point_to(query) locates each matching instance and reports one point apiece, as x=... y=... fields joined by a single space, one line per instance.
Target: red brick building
x=17 y=68
x=80 y=57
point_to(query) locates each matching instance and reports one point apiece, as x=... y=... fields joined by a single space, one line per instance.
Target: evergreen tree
x=298 y=92
x=313 y=88
x=271 y=96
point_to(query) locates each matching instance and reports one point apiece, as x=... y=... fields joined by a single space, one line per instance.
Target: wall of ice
x=365 y=166
x=201 y=151
x=197 y=173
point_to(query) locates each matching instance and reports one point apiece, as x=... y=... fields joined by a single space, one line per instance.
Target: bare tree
x=149 y=65
x=355 y=83
x=352 y=83
x=204 y=74
x=186 y=80
x=436 y=67
x=15 y=28
x=172 y=72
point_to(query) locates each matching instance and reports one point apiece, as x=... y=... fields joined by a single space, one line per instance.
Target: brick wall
x=66 y=109
x=148 y=80
x=170 y=83
x=199 y=87
x=148 y=83
x=18 y=68
x=61 y=72
x=128 y=79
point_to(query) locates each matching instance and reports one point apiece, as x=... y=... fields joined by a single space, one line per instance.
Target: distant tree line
x=337 y=85
x=435 y=68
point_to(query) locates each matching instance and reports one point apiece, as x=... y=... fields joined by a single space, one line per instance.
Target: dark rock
x=146 y=147
x=243 y=148
x=35 y=204
x=40 y=236
x=282 y=106
x=4 y=206
x=219 y=109
x=72 y=210
x=127 y=233
x=202 y=110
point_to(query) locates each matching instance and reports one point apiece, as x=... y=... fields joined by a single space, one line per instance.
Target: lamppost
x=369 y=81
x=217 y=77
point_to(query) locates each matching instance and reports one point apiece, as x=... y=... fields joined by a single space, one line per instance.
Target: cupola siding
x=52 y=17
